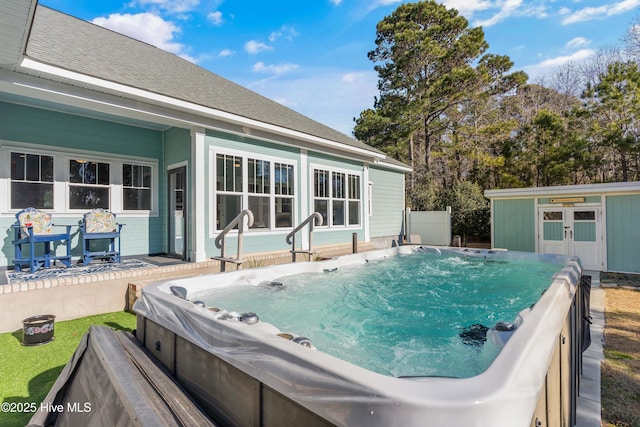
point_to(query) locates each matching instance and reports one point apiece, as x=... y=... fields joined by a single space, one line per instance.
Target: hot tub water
x=400 y=316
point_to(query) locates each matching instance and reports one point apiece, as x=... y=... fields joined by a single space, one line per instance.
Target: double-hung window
x=229 y=189
x=265 y=186
x=31 y=181
x=337 y=197
x=284 y=194
x=259 y=172
x=136 y=187
x=89 y=185
x=354 y=200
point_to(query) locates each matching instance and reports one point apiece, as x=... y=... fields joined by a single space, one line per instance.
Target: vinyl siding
x=387 y=202
x=514 y=224
x=623 y=233
x=46 y=127
x=36 y=128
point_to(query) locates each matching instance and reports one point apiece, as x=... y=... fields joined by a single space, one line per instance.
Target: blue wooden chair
x=100 y=224
x=34 y=227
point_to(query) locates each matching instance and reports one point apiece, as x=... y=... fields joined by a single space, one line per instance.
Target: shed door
x=573 y=231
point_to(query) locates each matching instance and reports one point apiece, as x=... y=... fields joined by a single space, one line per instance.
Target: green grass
x=28 y=372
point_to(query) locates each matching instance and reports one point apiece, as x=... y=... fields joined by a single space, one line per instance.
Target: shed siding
x=623 y=233
x=514 y=224
x=387 y=202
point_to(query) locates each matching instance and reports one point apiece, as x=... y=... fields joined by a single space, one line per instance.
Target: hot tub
x=245 y=371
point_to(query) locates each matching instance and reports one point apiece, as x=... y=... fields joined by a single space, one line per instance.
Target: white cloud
x=215 y=18
x=253 y=46
x=226 y=52
x=146 y=27
x=548 y=65
x=577 y=42
x=380 y=3
x=335 y=2
x=172 y=6
x=260 y=67
x=601 y=12
x=332 y=97
x=507 y=9
x=286 y=32
x=468 y=8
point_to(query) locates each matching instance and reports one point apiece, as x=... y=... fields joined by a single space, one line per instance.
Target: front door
x=573 y=231
x=177 y=213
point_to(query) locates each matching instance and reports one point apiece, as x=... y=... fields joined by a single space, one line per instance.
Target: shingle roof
x=67 y=42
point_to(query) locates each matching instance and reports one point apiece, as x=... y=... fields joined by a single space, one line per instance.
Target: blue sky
x=312 y=55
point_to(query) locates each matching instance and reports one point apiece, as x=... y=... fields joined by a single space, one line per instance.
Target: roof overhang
x=563 y=190
x=15 y=24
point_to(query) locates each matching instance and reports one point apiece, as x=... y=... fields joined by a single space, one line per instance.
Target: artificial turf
x=28 y=372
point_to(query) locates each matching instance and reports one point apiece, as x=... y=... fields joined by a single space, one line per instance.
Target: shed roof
x=560 y=190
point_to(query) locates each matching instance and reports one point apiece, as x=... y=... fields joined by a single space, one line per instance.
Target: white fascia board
x=154 y=98
x=612 y=187
x=394 y=167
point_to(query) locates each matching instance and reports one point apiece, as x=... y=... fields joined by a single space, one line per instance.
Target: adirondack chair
x=100 y=224
x=34 y=227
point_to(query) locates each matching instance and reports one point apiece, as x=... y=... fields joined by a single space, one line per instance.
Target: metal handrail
x=291 y=237
x=221 y=239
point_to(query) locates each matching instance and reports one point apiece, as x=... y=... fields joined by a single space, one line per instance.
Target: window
x=321 y=194
x=552 y=216
x=136 y=187
x=88 y=185
x=31 y=181
x=283 y=180
x=338 y=201
x=259 y=189
x=354 y=200
x=268 y=191
x=228 y=188
x=584 y=215
x=338 y=193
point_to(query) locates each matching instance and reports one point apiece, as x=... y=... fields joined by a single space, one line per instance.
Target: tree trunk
x=427 y=145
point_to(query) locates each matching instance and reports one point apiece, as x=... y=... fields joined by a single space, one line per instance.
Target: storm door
x=177 y=179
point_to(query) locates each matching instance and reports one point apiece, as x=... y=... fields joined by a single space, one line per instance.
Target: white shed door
x=573 y=231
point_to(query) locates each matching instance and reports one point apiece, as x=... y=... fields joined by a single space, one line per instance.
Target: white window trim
x=316 y=166
x=61 y=158
x=245 y=156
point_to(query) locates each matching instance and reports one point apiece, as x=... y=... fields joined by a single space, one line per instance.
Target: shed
x=599 y=223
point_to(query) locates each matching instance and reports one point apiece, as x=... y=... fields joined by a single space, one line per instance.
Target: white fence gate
x=434 y=227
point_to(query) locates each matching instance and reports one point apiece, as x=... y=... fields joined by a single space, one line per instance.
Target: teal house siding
x=334 y=162
x=75 y=132
x=623 y=233
x=69 y=136
x=514 y=224
x=387 y=202
x=177 y=145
